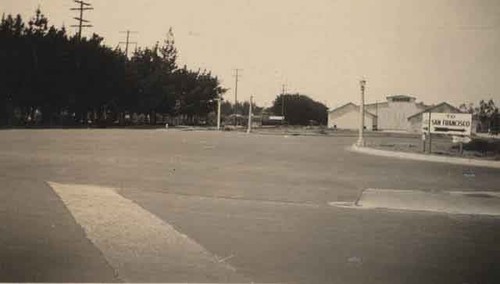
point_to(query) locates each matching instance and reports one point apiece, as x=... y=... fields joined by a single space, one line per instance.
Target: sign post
x=423 y=142
x=461 y=140
x=426 y=130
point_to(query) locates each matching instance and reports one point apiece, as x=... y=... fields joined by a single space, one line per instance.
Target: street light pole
x=249 y=128
x=218 y=112
x=361 y=142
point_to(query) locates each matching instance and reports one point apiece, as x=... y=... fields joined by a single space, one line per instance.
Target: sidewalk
x=425 y=157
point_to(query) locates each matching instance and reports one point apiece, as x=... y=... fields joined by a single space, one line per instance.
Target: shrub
x=483 y=146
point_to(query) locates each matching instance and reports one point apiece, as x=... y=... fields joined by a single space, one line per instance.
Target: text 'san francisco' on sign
x=448 y=123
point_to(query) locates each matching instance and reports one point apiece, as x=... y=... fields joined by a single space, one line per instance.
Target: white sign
x=276 y=118
x=461 y=139
x=448 y=123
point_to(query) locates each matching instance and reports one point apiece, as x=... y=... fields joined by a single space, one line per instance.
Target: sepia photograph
x=250 y=141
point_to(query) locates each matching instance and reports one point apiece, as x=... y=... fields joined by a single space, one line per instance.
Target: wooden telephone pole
x=283 y=91
x=82 y=23
x=127 y=41
x=237 y=77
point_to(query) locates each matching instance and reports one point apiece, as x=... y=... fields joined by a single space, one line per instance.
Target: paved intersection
x=257 y=203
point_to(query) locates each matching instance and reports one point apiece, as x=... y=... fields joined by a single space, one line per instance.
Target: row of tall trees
x=50 y=77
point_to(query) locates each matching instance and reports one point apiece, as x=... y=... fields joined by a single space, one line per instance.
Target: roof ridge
x=429 y=108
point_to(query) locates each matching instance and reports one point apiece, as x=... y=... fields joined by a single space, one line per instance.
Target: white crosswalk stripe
x=139 y=245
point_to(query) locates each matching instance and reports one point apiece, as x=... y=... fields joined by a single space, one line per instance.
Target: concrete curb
x=426 y=158
x=450 y=202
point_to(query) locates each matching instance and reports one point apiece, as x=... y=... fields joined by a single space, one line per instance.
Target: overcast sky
x=435 y=50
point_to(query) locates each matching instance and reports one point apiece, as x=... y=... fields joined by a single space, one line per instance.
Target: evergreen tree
x=300 y=109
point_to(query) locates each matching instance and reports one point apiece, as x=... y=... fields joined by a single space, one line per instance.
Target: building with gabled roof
x=389 y=115
x=347 y=117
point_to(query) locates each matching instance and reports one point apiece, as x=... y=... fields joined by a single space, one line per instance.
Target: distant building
x=393 y=114
x=397 y=113
x=389 y=115
x=347 y=117
x=234 y=119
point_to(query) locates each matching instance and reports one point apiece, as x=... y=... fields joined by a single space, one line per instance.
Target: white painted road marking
x=139 y=245
x=452 y=202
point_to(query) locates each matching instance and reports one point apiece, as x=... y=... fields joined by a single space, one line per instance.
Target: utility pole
x=283 y=90
x=83 y=6
x=127 y=42
x=361 y=142
x=249 y=128
x=237 y=76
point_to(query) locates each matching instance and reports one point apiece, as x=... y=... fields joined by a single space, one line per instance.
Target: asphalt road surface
x=186 y=206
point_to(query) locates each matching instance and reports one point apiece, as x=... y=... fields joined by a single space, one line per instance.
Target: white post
x=430 y=134
x=361 y=142
x=249 y=128
x=218 y=112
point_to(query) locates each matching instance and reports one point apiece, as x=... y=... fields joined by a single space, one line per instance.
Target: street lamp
x=249 y=128
x=219 y=101
x=361 y=142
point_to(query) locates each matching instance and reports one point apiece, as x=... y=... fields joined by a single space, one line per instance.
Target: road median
x=425 y=157
x=451 y=202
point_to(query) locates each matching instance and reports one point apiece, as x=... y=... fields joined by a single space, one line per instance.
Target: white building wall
x=349 y=120
x=394 y=115
x=331 y=120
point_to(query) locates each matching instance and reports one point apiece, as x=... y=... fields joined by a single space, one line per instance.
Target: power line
x=127 y=42
x=283 y=90
x=83 y=6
